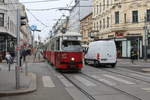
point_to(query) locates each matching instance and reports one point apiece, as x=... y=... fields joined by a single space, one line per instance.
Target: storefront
x=125 y=44
x=7 y=43
x=125 y=41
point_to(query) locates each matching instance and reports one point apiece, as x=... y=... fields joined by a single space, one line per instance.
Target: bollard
x=26 y=68
x=8 y=66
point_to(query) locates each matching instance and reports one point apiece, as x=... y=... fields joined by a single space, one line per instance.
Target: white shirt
x=8 y=56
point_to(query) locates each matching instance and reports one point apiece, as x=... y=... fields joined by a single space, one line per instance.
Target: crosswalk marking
x=146 y=89
x=65 y=82
x=47 y=81
x=139 y=75
x=118 y=79
x=85 y=81
x=104 y=80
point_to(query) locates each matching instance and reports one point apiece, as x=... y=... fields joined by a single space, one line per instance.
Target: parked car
x=102 y=52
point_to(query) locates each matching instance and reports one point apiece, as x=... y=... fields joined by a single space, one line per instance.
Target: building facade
x=124 y=21
x=81 y=9
x=8 y=26
x=25 y=32
x=86 y=28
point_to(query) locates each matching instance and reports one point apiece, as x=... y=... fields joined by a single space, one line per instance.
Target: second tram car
x=64 y=51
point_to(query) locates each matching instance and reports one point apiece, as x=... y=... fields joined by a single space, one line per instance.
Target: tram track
x=127 y=75
x=126 y=93
x=89 y=96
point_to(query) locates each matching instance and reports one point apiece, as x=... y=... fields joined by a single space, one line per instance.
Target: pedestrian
x=12 y=53
x=34 y=54
x=133 y=55
x=39 y=54
x=24 y=54
x=9 y=59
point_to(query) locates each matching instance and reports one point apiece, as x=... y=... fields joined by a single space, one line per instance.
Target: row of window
x=135 y=16
x=105 y=23
x=1 y=19
x=103 y=5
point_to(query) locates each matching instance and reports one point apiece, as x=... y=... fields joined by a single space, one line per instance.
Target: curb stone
x=31 y=88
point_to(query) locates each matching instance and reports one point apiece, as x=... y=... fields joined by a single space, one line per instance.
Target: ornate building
x=124 y=21
x=86 y=28
x=8 y=25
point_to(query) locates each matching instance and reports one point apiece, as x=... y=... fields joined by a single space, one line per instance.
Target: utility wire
x=40 y=1
x=29 y=2
x=117 y=3
x=37 y=18
x=114 y=4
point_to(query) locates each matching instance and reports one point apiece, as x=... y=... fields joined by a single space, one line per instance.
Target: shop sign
x=121 y=39
x=118 y=34
x=110 y=36
x=134 y=34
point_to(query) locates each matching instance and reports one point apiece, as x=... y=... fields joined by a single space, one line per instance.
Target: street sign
x=33 y=27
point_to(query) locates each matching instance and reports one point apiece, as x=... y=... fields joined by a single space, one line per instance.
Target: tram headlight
x=72 y=59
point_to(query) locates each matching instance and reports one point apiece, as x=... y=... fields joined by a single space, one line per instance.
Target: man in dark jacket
x=133 y=55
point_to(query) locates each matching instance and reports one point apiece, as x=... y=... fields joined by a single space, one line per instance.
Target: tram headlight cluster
x=72 y=59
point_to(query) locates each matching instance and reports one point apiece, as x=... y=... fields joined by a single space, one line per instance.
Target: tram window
x=71 y=46
x=52 y=46
x=57 y=44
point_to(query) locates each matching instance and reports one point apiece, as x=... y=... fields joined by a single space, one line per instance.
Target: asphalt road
x=120 y=83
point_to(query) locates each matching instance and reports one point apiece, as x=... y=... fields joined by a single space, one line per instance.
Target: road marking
x=104 y=80
x=118 y=79
x=47 y=81
x=85 y=81
x=140 y=76
x=65 y=82
x=146 y=89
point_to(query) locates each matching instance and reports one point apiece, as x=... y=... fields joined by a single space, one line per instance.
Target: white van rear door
x=108 y=53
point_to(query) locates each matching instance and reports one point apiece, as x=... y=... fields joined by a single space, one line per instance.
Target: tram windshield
x=71 y=46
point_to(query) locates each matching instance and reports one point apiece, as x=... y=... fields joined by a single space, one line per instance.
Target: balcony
x=119 y=27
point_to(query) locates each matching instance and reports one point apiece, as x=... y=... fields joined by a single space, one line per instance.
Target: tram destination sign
x=70 y=38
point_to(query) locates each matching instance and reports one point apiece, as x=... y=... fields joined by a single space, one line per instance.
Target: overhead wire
x=113 y=4
x=43 y=1
x=37 y=18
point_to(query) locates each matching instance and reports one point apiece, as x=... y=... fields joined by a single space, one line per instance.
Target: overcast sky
x=48 y=17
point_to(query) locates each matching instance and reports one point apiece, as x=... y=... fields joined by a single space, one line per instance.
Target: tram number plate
x=91 y=62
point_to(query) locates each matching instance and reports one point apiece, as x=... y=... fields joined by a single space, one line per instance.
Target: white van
x=102 y=52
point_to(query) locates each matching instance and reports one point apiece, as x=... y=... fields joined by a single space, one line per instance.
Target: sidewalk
x=138 y=65
x=140 y=62
x=8 y=81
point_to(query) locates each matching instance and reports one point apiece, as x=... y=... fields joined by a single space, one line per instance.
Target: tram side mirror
x=85 y=50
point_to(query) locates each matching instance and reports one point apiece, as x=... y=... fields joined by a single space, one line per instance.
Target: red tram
x=64 y=51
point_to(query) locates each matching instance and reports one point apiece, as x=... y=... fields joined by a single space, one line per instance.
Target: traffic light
x=21 y=20
x=63 y=30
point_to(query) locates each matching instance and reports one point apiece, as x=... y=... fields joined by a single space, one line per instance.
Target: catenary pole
x=145 y=39
x=17 y=68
